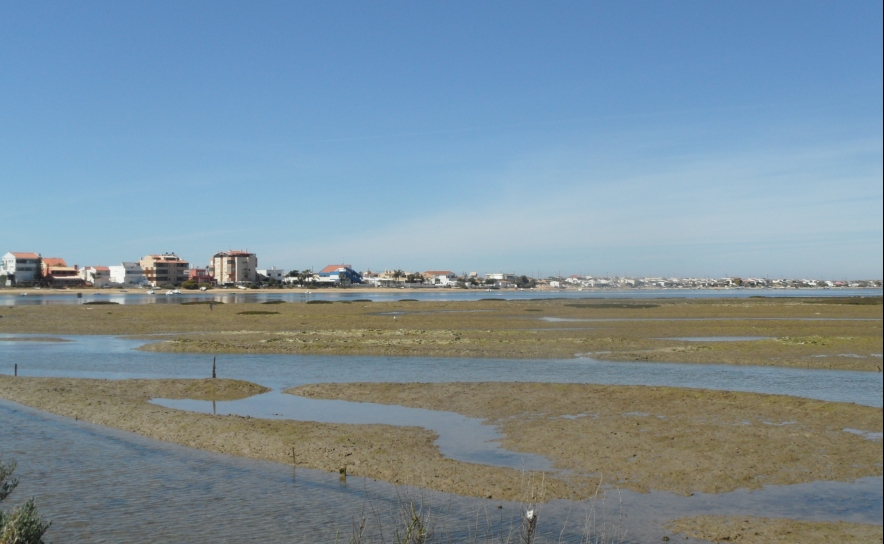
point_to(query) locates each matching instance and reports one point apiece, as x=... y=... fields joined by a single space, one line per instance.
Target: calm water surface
x=231 y=296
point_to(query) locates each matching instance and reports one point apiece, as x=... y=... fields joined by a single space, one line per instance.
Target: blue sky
x=639 y=138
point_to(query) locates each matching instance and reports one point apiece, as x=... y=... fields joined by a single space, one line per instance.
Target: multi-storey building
x=167 y=268
x=20 y=268
x=98 y=276
x=57 y=273
x=234 y=267
x=127 y=273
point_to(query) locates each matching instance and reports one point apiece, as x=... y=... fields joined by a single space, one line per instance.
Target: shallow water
x=99 y=484
x=137 y=296
x=115 y=358
x=102 y=485
x=462 y=438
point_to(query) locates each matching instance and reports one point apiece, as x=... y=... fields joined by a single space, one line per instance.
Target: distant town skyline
x=682 y=139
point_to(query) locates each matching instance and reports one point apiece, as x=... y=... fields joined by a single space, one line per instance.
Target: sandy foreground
x=639 y=438
x=809 y=333
x=755 y=530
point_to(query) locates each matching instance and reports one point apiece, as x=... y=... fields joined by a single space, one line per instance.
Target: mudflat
x=639 y=438
x=837 y=333
x=756 y=530
x=402 y=455
x=655 y=438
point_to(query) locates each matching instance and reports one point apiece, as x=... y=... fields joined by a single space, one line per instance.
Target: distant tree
x=23 y=525
x=39 y=279
x=489 y=281
x=306 y=276
x=398 y=273
x=292 y=274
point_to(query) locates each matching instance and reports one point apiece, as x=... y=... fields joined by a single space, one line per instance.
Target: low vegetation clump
x=99 y=302
x=23 y=525
x=408 y=300
x=319 y=302
x=274 y=302
x=257 y=312
x=204 y=302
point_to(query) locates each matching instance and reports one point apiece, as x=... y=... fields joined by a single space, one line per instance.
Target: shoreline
x=135 y=291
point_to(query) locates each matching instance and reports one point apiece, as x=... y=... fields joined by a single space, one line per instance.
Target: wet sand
x=639 y=438
x=655 y=438
x=399 y=455
x=754 y=530
x=843 y=334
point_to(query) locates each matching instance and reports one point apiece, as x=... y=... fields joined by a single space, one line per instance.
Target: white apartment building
x=127 y=273
x=98 y=276
x=501 y=276
x=234 y=267
x=20 y=268
x=442 y=278
x=271 y=273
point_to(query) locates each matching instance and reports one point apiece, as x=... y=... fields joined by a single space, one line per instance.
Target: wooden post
x=343 y=473
x=213 y=366
x=294 y=459
x=16 y=369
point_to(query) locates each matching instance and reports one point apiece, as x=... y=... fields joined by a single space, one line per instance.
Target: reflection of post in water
x=214 y=413
x=214 y=359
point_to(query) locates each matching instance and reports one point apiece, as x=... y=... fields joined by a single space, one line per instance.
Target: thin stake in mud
x=343 y=473
x=16 y=369
x=213 y=366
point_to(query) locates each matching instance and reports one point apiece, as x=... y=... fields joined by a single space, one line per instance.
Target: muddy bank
x=402 y=455
x=754 y=530
x=660 y=438
x=809 y=333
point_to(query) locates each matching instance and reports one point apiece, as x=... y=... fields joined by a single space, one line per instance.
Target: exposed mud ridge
x=660 y=438
x=808 y=333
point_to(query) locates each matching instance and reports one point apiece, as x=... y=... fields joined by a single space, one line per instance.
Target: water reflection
x=11 y=298
x=461 y=438
x=116 y=358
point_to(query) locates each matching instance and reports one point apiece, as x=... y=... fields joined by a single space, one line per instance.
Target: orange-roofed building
x=57 y=273
x=338 y=274
x=20 y=268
